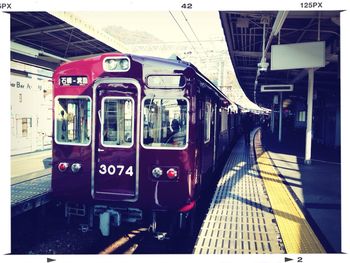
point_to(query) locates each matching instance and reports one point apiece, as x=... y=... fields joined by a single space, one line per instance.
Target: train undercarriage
x=161 y=223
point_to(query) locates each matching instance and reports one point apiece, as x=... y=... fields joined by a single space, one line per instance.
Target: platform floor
x=240 y=219
x=254 y=209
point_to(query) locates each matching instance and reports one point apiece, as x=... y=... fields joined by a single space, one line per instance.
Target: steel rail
x=123 y=240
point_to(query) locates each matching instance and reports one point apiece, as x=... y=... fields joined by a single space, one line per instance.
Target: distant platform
x=30 y=194
x=30 y=163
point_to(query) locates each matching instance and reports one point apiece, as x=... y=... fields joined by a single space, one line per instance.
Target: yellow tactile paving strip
x=298 y=237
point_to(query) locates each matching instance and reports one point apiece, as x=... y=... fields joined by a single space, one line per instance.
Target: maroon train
x=135 y=137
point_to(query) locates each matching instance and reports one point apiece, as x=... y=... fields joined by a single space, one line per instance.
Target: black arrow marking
x=287 y=259
x=50 y=260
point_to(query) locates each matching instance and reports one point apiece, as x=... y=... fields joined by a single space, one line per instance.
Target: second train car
x=135 y=138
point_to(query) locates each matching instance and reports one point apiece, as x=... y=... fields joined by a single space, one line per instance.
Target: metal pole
x=272 y=125
x=280 y=120
x=310 y=96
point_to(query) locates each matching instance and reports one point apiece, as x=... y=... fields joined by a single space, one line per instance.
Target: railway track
x=51 y=234
x=128 y=243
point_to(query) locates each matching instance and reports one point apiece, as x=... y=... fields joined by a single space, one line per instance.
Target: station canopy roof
x=244 y=31
x=47 y=39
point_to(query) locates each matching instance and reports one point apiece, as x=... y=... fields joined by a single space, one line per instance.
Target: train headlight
x=171 y=173
x=157 y=172
x=76 y=167
x=111 y=64
x=116 y=64
x=62 y=167
x=124 y=64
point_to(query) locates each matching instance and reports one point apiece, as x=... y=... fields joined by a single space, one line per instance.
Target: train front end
x=122 y=147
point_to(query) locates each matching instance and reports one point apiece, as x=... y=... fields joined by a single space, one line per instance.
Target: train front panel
x=118 y=142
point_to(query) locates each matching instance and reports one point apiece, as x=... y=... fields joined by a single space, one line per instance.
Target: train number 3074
x=115 y=169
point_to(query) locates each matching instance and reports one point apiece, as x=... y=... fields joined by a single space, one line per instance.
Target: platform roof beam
x=36 y=31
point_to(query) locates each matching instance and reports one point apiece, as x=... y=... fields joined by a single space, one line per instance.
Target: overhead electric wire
x=183 y=31
x=188 y=23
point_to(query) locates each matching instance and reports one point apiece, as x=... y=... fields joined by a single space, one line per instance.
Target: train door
x=115 y=162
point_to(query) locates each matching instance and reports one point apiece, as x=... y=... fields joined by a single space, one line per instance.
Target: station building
x=31 y=108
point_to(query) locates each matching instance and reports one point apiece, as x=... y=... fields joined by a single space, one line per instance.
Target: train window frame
x=187 y=124
x=165 y=75
x=132 y=122
x=207 y=122
x=55 y=121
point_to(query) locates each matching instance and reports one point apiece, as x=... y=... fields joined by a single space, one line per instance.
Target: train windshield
x=165 y=123
x=73 y=120
x=117 y=122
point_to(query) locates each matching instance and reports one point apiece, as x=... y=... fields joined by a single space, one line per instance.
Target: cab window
x=73 y=120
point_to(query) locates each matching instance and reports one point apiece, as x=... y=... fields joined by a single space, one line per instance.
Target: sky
x=161 y=24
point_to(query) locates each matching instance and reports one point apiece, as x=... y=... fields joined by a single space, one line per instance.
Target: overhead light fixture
x=24 y=50
x=32 y=52
x=277 y=25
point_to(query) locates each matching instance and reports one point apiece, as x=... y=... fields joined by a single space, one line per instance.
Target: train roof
x=151 y=66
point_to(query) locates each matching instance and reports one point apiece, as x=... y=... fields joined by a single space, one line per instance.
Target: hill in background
x=131 y=37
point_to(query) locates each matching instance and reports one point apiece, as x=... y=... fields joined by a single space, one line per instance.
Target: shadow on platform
x=316 y=187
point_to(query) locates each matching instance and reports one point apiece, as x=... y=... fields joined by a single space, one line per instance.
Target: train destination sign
x=277 y=88
x=166 y=81
x=73 y=80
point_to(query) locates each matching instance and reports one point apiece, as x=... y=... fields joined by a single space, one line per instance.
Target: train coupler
x=107 y=219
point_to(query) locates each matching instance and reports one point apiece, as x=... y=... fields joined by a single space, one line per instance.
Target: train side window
x=73 y=120
x=224 y=120
x=207 y=121
x=165 y=123
x=117 y=115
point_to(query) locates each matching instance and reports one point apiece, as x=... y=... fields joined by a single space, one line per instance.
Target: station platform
x=256 y=211
x=30 y=194
x=30 y=181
